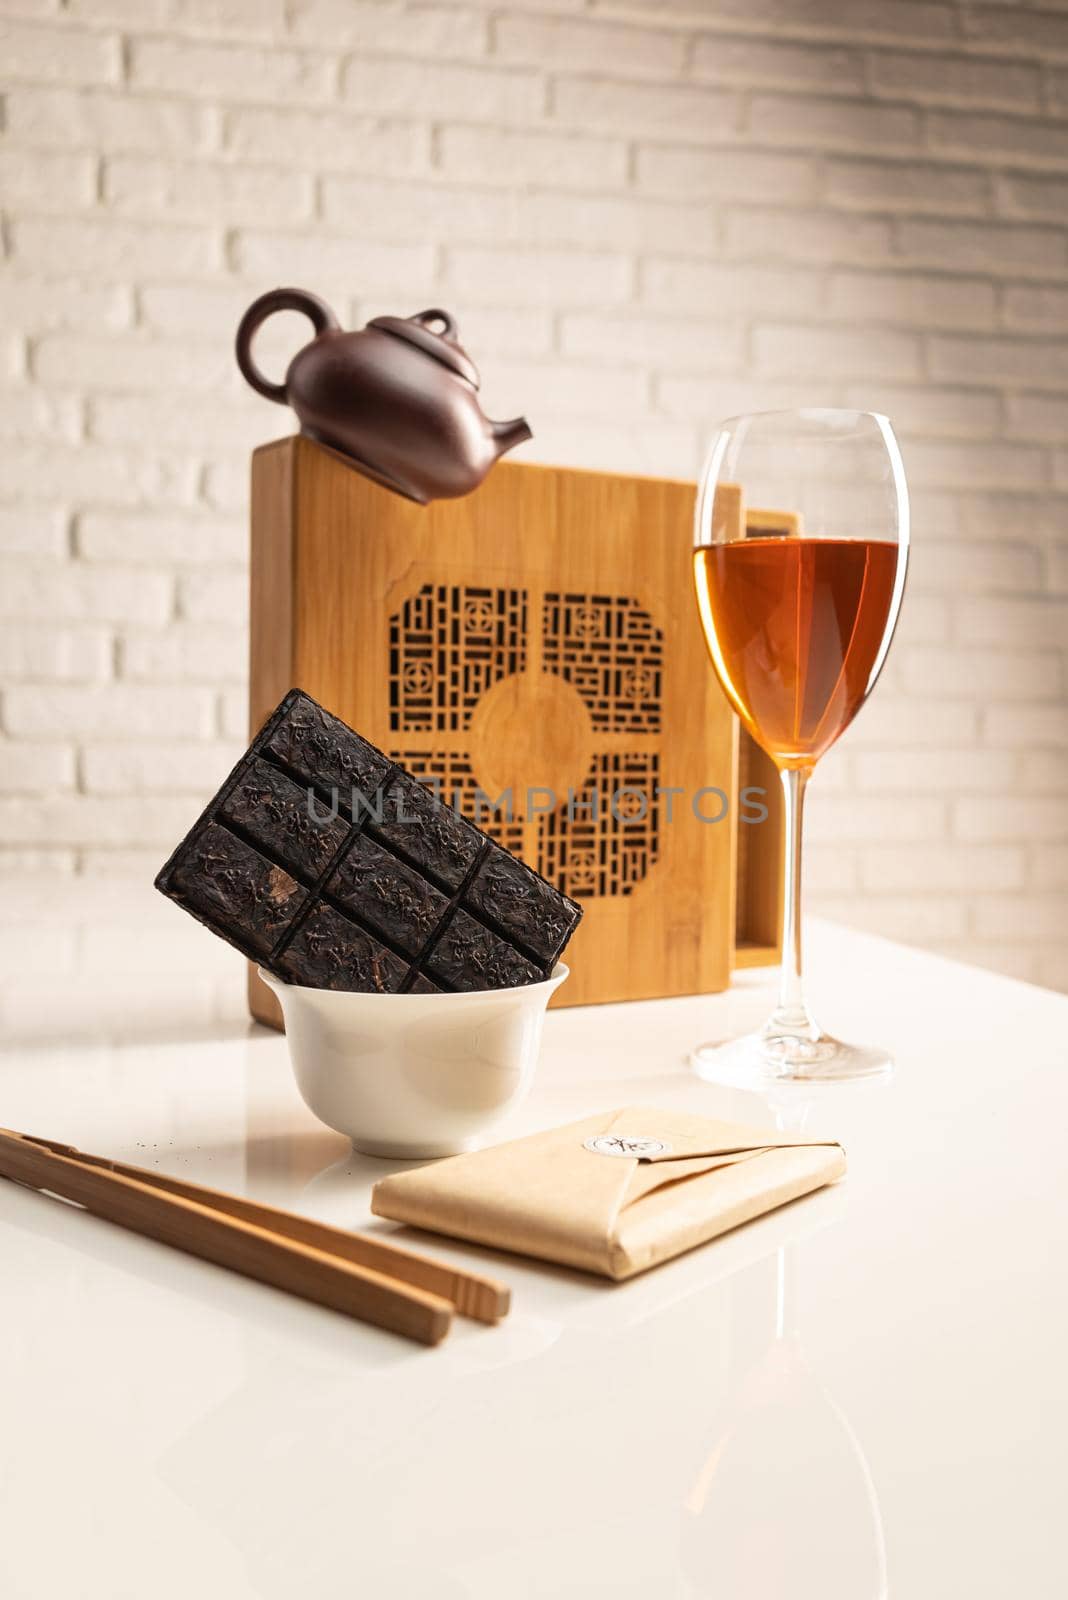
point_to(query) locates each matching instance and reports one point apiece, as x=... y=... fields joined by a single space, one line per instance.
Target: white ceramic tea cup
x=414 y=1075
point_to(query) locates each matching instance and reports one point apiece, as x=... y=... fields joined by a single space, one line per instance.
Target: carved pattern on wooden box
x=613 y=653
x=451 y=643
x=606 y=841
x=448 y=644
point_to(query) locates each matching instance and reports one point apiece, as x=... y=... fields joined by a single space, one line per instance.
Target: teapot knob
x=315 y=309
x=448 y=329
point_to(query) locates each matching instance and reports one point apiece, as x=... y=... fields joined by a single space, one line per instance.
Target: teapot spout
x=506 y=435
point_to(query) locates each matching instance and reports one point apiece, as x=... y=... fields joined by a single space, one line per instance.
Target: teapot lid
x=441 y=346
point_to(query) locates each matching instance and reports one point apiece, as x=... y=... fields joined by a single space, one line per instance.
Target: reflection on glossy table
x=862 y=1394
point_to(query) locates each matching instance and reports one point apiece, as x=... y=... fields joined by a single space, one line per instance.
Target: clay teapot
x=398 y=399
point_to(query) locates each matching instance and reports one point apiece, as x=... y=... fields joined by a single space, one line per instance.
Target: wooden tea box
x=535 y=649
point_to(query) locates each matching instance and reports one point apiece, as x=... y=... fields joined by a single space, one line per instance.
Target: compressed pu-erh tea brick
x=333 y=867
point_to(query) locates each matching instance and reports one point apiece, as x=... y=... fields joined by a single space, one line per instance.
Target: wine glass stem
x=791 y=1015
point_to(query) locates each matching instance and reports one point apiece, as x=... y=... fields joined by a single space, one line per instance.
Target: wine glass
x=801 y=544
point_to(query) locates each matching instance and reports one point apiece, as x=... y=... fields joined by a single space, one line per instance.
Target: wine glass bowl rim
x=821 y=426
x=807 y=413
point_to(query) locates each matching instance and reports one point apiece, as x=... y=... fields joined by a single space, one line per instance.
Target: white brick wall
x=646 y=214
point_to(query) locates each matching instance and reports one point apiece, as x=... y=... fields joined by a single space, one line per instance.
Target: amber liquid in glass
x=796 y=629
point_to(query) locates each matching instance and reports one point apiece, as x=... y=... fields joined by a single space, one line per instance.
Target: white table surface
x=861 y=1394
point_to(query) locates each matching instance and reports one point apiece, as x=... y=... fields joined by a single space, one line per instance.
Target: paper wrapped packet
x=615 y=1193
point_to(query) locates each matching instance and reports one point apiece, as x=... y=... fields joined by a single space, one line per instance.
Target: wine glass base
x=754 y=1062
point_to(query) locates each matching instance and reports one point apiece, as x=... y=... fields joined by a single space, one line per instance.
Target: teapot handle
x=320 y=314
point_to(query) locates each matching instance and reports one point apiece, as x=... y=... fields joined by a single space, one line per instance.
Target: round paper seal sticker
x=617 y=1144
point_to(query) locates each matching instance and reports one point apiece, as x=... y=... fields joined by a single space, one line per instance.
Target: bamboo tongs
x=364 y=1277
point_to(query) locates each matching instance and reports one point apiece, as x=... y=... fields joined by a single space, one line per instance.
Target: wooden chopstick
x=363 y=1277
x=470 y=1293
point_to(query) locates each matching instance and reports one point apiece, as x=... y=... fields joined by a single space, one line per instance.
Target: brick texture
x=646 y=216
